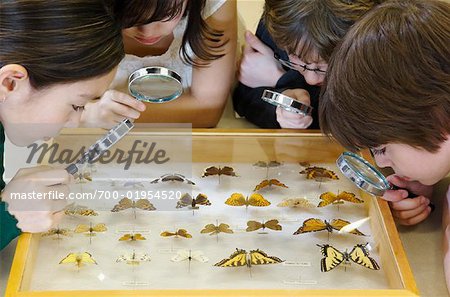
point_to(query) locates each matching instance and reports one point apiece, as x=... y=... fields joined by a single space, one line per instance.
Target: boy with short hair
x=388 y=89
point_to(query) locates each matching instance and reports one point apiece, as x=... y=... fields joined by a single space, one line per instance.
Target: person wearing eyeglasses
x=289 y=54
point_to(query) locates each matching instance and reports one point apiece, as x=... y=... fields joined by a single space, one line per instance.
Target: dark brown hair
x=206 y=42
x=59 y=41
x=389 y=82
x=313 y=26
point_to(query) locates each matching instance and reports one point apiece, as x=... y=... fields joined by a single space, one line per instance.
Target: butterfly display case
x=226 y=213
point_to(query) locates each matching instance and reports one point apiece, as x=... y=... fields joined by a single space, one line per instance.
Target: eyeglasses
x=295 y=66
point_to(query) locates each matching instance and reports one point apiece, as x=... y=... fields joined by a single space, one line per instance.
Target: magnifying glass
x=150 y=84
x=155 y=85
x=286 y=102
x=365 y=176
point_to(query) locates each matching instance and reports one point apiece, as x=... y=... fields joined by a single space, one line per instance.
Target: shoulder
x=211 y=6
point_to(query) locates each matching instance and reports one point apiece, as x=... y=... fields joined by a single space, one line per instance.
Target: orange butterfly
x=237 y=199
x=268 y=183
x=319 y=173
x=132 y=237
x=314 y=225
x=179 y=232
x=330 y=198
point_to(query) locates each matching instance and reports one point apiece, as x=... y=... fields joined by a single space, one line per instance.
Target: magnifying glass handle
x=412 y=195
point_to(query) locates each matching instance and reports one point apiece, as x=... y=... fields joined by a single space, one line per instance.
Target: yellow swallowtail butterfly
x=244 y=258
x=334 y=257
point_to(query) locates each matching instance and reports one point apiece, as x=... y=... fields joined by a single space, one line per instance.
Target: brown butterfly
x=296 y=202
x=176 y=177
x=216 y=229
x=178 y=233
x=319 y=173
x=330 y=198
x=187 y=200
x=127 y=203
x=58 y=232
x=254 y=225
x=237 y=199
x=304 y=163
x=213 y=170
x=314 y=225
x=269 y=164
x=132 y=237
x=268 y=183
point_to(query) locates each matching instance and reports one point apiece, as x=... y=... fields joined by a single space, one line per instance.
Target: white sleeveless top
x=170 y=59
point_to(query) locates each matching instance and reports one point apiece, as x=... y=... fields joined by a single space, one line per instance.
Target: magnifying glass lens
x=363 y=174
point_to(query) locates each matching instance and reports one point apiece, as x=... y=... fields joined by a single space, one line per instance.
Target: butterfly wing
x=360 y=255
x=327 y=198
x=225 y=228
x=276 y=182
x=50 y=232
x=126 y=237
x=183 y=233
x=82 y=228
x=123 y=204
x=258 y=257
x=338 y=224
x=173 y=178
x=87 y=258
x=226 y=170
x=201 y=199
x=144 y=204
x=349 y=197
x=167 y=234
x=238 y=258
x=185 y=200
x=311 y=225
x=273 y=225
x=70 y=258
x=261 y=185
x=155 y=181
x=199 y=256
x=332 y=257
x=253 y=226
x=236 y=199
x=210 y=228
x=86 y=212
x=213 y=170
x=138 y=236
x=99 y=228
x=260 y=164
x=258 y=200
x=181 y=256
x=273 y=164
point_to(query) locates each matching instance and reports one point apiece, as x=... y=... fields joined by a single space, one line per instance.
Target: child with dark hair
x=289 y=54
x=55 y=56
x=388 y=89
x=195 y=38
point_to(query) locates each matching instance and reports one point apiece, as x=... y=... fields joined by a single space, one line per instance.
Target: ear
x=12 y=76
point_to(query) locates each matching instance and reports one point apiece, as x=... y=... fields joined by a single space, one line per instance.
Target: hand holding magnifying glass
x=367 y=177
x=150 y=84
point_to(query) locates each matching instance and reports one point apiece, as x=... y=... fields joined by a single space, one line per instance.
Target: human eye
x=78 y=107
x=378 y=151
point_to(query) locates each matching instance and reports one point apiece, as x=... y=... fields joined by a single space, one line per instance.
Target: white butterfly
x=183 y=255
x=134 y=259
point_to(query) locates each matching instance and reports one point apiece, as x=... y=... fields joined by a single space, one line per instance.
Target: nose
x=382 y=161
x=313 y=78
x=148 y=29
